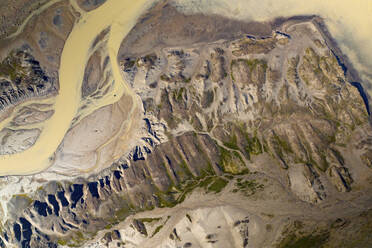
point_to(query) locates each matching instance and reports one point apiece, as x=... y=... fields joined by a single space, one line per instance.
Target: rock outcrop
x=244 y=134
x=21 y=77
x=30 y=57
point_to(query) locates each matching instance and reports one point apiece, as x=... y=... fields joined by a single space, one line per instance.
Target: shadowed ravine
x=265 y=135
x=166 y=128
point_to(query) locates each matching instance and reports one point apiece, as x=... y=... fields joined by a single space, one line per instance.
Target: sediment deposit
x=224 y=133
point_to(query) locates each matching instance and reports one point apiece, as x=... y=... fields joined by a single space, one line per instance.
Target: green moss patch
x=218 y=185
x=247 y=187
x=309 y=241
x=231 y=162
x=149 y=220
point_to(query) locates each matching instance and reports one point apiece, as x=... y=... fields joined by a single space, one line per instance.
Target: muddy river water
x=343 y=18
x=121 y=16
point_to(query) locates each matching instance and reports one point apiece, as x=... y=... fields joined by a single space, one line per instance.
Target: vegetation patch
x=11 y=67
x=308 y=241
x=214 y=184
x=231 y=162
x=158 y=228
x=26 y=197
x=253 y=63
x=217 y=185
x=178 y=94
x=233 y=143
x=149 y=220
x=247 y=187
x=123 y=212
x=282 y=144
x=62 y=242
x=76 y=240
x=210 y=183
x=254 y=146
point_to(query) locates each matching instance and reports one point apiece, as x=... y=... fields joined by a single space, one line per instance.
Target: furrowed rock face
x=29 y=64
x=284 y=95
x=22 y=78
x=242 y=138
x=30 y=56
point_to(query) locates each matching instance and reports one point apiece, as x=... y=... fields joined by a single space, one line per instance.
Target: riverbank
x=73 y=60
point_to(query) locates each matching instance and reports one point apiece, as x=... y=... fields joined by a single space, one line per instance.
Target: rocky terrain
x=21 y=78
x=240 y=134
x=29 y=63
x=30 y=56
x=253 y=137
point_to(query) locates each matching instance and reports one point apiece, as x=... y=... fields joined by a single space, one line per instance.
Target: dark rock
x=52 y=200
x=17 y=231
x=93 y=189
x=41 y=208
x=62 y=198
x=76 y=193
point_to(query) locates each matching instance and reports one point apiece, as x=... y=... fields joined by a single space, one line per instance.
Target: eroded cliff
x=248 y=141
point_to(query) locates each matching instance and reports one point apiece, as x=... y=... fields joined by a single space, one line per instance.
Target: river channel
x=120 y=16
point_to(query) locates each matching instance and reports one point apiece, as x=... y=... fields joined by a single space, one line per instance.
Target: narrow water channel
x=121 y=15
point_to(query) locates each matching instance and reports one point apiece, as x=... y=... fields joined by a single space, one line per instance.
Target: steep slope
x=29 y=63
x=249 y=141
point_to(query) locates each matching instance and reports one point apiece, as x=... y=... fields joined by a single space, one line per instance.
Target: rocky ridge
x=29 y=62
x=254 y=121
x=23 y=78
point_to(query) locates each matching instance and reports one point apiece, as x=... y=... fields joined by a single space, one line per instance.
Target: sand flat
x=121 y=15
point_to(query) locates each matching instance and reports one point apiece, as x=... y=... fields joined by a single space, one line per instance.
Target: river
x=121 y=16
x=348 y=21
